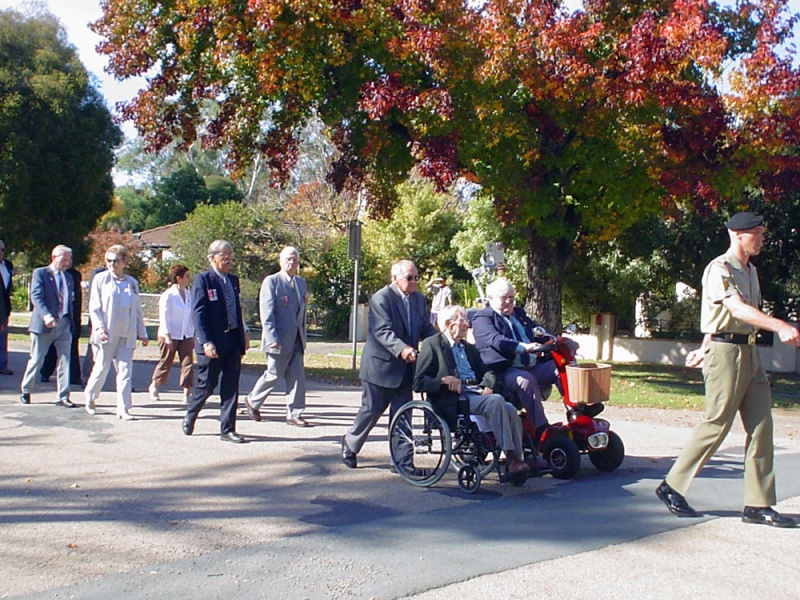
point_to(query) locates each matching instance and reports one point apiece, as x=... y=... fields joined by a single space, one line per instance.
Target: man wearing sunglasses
x=398 y=321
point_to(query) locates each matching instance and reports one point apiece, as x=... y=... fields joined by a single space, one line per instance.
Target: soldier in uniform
x=734 y=379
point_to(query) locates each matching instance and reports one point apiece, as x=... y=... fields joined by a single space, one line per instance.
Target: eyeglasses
x=113 y=260
x=411 y=277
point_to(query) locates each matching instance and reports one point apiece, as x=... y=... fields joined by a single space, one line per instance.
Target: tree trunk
x=547 y=261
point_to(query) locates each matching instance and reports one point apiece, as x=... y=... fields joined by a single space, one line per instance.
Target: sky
x=75 y=15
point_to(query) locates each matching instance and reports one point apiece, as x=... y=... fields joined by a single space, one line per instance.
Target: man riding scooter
x=505 y=337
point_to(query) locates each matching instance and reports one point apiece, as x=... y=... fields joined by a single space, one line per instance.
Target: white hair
x=446 y=314
x=289 y=250
x=219 y=247
x=499 y=287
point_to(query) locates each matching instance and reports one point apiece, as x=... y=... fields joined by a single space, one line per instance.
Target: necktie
x=230 y=303
x=408 y=311
x=62 y=296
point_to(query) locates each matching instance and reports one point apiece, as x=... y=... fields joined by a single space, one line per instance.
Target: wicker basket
x=589 y=383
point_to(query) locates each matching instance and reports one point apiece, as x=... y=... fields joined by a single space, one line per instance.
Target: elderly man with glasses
x=504 y=336
x=398 y=321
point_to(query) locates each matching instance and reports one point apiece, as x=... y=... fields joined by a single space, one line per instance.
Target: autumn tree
x=577 y=124
x=57 y=139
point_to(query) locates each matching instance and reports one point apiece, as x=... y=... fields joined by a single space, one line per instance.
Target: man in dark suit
x=220 y=340
x=282 y=304
x=6 y=285
x=53 y=298
x=398 y=320
x=450 y=369
x=504 y=336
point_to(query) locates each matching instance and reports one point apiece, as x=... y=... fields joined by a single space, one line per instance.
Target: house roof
x=158 y=237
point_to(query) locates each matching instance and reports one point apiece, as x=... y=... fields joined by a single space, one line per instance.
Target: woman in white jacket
x=175 y=333
x=115 y=309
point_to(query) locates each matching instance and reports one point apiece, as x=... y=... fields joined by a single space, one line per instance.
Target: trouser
x=229 y=364
x=49 y=364
x=524 y=385
x=4 y=347
x=735 y=383
x=115 y=351
x=290 y=368
x=502 y=419
x=374 y=401
x=59 y=336
x=185 y=350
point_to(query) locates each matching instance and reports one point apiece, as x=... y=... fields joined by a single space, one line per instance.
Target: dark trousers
x=374 y=401
x=229 y=364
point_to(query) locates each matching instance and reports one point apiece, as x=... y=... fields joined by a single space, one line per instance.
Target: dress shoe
x=298 y=422
x=125 y=415
x=675 y=502
x=766 y=516
x=349 y=457
x=233 y=437
x=188 y=427
x=536 y=462
x=25 y=398
x=66 y=403
x=153 y=390
x=6 y=372
x=253 y=413
x=518 y=468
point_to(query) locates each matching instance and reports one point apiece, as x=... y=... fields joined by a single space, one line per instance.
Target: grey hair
x=120 y=251
x=219 y=247
x=61 y=249
x=400 y=267
x=446 y=314
x=498 y=287
x=289 y=250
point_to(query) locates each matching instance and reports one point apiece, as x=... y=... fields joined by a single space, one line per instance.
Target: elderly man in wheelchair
x=450 y=372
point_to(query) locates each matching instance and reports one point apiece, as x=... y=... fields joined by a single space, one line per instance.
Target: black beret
x=744 y=220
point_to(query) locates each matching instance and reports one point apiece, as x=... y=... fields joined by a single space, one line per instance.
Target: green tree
x=577 y=123
x=57 y=139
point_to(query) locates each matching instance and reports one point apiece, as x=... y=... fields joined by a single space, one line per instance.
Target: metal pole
x=355 y=313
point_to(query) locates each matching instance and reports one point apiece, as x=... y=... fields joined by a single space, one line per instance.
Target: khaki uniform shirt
x=725 y=277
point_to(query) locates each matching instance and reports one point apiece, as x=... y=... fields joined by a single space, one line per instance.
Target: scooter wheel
x=469 y=479
x=563 y=456
x=611 y=456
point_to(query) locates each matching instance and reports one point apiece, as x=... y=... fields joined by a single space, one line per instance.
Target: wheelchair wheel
x=563 y=456
x=469 y=479
x=419 y=444
x=475 y=448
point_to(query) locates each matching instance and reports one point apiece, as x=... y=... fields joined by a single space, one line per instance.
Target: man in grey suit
x=53 y=298
x=282 y=306
x=398 y=321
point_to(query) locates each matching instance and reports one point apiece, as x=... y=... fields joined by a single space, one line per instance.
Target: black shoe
x=348 y=456
x=25 y=398
x=66 y=403
x=675 y=502
x=188 y=427
x=766 y=516
x=233 y=437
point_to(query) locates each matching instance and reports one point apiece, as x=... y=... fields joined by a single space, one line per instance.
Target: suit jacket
x=210 y=314
x=494 y=339
x=436 y=360
x=7 y=289
x=388 y=333
x=101 y=298
x=44 y=298
x=283 y=312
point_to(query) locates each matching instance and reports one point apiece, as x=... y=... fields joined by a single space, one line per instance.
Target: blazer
x=7 y=289
x=388 y=333
x=101 y=299
x=44 y=298
x=175 y=314
x=494 y=339
x=436 y=360
x=210 y=314
x=283 y=312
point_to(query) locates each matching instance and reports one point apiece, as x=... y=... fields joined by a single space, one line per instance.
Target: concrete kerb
x=93 y=507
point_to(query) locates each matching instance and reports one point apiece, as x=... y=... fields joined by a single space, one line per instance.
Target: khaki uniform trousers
x=735 y=382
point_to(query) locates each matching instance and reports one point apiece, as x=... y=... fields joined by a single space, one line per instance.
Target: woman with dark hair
x=175 y=333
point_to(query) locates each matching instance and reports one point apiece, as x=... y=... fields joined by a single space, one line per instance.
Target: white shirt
x=175 y=314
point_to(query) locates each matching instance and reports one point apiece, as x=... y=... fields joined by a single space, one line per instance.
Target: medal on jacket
x=212 y=294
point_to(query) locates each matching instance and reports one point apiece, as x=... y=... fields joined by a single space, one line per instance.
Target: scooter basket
x=589 y=383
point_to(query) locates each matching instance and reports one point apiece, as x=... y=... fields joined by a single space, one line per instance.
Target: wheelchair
x=423 y=447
